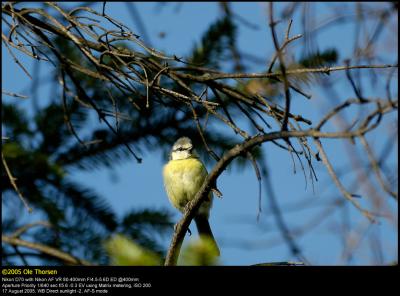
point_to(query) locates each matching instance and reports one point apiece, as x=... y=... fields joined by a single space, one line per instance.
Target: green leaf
x=125 y=252
x=199 y=252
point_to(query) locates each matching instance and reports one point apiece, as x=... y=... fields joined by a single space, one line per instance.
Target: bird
x=183 y=176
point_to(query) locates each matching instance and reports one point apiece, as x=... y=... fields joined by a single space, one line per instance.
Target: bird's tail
x=203 y=227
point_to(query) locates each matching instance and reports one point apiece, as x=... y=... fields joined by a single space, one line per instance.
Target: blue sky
x=243 y=240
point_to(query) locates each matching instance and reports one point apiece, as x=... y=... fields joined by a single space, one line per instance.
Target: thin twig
x=14 y=184
x=324 y=70
x=26 y=227
x=282 y=67
x=335 y=179
x=376 y=168
x=14 y=95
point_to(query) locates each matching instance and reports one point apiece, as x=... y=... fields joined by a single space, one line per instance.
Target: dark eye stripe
x=183 y=149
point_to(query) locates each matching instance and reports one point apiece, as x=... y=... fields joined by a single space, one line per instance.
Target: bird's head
x=182 y=149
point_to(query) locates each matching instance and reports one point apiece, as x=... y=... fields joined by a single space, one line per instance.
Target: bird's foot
x=216 y=192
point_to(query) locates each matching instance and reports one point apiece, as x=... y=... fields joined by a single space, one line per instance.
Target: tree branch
x=12 y=181
x=45 y=249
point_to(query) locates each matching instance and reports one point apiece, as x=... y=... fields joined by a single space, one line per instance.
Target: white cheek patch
x=180 y=155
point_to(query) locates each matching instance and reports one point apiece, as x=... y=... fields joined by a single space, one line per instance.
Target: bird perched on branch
x=184 y=174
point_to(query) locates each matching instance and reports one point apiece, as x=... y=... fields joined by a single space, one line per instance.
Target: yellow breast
x=182 y=180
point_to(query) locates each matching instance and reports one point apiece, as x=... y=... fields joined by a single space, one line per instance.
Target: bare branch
x=376 y=168
x=14 y=95
x=345 y=193
x=12 y=181
x=26 y=227
x=67 y=258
